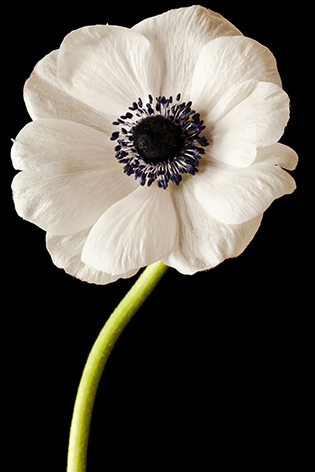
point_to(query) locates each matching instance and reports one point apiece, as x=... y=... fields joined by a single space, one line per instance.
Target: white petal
x=202 y=242
x=278 y=154
x=236 y=195
x=250 y=115
x=108 y=67
x=46 y=98
x=178 y=37
x=70 y=175
x=66 y=252
x=133 y=233
x=227 y=61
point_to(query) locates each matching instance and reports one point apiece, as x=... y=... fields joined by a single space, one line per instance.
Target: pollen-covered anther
x=159 y=141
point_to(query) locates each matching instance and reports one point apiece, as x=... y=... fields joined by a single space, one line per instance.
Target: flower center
x=159 y=142
x=157 y=139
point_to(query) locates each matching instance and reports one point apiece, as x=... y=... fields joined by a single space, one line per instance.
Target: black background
x=213 y=365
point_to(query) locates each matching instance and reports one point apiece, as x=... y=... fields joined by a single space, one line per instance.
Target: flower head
x=158 y=142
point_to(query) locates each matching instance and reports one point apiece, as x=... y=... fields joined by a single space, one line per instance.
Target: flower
x=158 y=142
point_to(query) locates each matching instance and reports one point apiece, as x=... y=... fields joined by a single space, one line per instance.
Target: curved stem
x=95 y=364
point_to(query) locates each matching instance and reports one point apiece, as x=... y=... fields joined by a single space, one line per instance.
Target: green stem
x=95 y=364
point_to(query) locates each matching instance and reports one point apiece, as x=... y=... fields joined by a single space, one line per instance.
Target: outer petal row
x=106 y=68
x=100 y=70
x=169 y=223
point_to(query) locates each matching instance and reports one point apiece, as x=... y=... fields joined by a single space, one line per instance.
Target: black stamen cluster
x=159 y=142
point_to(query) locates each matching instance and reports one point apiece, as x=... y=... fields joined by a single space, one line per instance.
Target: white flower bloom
x=158 y=142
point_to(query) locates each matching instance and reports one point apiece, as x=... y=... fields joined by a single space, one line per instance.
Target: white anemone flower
x=158 y=142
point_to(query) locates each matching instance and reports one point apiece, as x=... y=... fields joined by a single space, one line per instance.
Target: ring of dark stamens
x=157 y=139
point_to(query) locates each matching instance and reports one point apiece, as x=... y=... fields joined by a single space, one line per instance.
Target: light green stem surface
x=95 y=364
